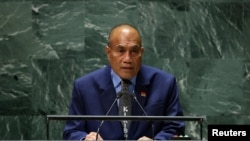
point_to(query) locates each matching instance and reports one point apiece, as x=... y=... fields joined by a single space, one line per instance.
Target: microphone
x=144 y=112
x=112 y=105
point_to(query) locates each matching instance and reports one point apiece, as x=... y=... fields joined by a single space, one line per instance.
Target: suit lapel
x=108 y=96
x=141 y=92
x=141 y=95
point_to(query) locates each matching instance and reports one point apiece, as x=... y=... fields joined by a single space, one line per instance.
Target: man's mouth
x=127 y=68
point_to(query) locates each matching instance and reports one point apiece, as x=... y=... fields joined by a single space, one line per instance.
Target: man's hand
x=144 y=138
x=92 y=137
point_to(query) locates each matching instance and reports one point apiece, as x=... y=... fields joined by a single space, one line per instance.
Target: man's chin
x=126 y=75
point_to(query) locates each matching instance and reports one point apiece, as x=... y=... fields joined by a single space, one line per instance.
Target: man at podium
x=153 y=92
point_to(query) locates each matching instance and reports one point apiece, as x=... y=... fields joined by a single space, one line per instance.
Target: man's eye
x=135 y=51
x=121 y=50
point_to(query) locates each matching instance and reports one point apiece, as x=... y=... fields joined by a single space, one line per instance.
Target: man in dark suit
x=155 y=90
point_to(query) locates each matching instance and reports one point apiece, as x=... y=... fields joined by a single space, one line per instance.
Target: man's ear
x=142 y=50
x=107 y=51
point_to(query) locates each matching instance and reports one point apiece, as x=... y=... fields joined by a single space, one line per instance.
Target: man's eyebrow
x=122 y=46
x=131 y=46
x=136 y=46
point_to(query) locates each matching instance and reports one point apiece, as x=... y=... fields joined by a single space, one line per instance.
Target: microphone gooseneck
x=112 y=105
x=144 y=112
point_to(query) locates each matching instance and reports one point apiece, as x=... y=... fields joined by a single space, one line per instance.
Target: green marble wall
x=46 y=44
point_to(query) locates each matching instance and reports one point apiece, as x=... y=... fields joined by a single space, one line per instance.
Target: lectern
x=198 y=119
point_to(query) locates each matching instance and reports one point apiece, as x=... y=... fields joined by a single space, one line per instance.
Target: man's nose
x=127 y=56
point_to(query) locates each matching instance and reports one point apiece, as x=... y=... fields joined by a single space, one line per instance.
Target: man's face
x=124 y=53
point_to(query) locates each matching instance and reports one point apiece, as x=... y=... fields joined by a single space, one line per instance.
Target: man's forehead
x=128 y=45
x=124 y=36
x=125 y=30
x=125 y=43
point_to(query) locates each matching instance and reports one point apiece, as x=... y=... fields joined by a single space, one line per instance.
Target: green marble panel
x=217 y=29
x=16 y=48
x=59 y=27
x=215 y=87
x=15 y=127
x=16 y=31
x=246 y=84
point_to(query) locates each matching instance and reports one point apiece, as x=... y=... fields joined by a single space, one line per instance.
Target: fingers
x=92 y=136
x=144 y=138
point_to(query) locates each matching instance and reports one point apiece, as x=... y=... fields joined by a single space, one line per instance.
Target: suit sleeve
x=172 y=108
x=74 y=129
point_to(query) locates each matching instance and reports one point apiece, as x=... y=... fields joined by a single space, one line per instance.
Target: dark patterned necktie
x=125 y=105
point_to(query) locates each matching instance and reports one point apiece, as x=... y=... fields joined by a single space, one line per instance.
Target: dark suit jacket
x=94 y=93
